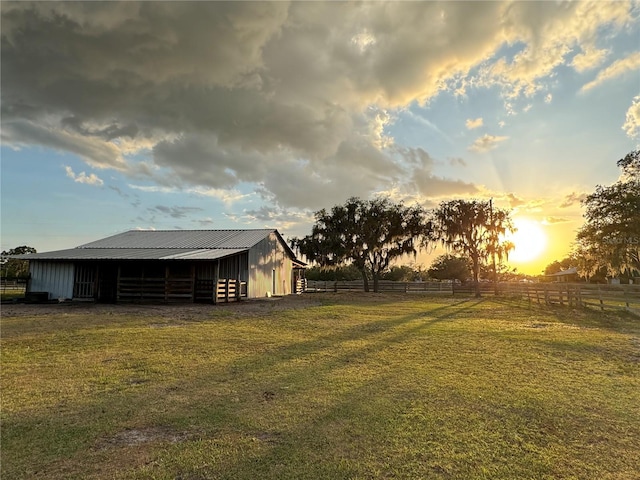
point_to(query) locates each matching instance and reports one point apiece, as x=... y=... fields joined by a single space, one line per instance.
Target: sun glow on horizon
x=530 y=241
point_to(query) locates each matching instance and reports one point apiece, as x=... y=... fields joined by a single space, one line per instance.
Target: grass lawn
x=340 y=387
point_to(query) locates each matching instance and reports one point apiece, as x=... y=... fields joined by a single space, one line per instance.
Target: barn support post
x=96 y=283
x=118 y=284
x=193 y=283
x=215 y=282
x=166 y=283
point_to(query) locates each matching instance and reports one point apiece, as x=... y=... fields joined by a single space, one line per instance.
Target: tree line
x=368 y=235
x=364 y=237
x=14 y=267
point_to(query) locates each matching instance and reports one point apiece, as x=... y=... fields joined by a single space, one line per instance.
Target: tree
x=560 y=265
x=368 y=234
x=473 y=229
x=348 y=272
x=400 y=273
x=449 y=267
x=610 y=236
x=630 y=165
x=15 y=267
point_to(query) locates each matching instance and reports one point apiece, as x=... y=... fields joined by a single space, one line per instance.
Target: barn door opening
x=107 y=283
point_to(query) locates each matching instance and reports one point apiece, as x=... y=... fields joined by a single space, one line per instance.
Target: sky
x=211 y=115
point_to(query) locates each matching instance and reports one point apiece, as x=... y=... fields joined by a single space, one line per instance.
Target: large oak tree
x=610 y=236
x=473 y=229
x=368 y=234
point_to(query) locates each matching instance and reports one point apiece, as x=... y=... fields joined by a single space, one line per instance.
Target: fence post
x=546 y=295
x=580 y=296
x=625 y=296
x=600 y=298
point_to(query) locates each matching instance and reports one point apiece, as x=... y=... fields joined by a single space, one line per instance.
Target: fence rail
x=625 y=297
x=571 y=294
x=13 y=285
x=180 y=289
x=384 y=286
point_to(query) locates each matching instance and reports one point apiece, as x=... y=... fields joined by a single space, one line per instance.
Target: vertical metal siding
x=264 y=258
x=56 y=278
x=235 y=267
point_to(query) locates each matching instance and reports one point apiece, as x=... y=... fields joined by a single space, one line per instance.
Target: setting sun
x=530 y=241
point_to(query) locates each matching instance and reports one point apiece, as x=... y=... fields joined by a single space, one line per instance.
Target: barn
x=169 y=265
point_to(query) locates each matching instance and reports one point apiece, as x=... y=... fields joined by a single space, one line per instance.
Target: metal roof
x=192 y=239
x=166 y=245
x=135 y=254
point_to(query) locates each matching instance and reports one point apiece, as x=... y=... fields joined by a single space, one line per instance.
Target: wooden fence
x=13 y=285
x=625 y=297
x=180 y=289
x=384 y=286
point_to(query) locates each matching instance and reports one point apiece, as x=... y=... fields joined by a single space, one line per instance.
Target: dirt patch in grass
x=132 y=437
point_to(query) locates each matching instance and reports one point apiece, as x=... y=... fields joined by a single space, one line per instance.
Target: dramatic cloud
x=550 y=32
x=471 y=124
x=616 y=69
x=632 y=123
x=82 y=177
x=291 y=100
x=486 y=143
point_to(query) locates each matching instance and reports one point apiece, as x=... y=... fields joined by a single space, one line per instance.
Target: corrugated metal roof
x=192 y=239
x=135 y=254
x=166 y=245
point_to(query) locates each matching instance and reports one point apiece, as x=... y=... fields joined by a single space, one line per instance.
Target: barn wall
x=269 y=264
x=56 y=278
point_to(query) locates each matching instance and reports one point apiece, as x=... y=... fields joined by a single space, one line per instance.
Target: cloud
x=174 y=212
x=632 y=123
x=457 y=161
x=554 y=220
x=572 y=199
x=471 y=124
x=82 y=177
x=226 y=196
x=616 y=69
x=291 y=100
x=590 y=58
x=548 y=98
x=486 y=143
x=548 y=33
x=514 y=200
x=94 y=152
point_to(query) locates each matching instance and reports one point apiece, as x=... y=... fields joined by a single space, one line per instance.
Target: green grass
x=10 y=295
x=358 y=387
